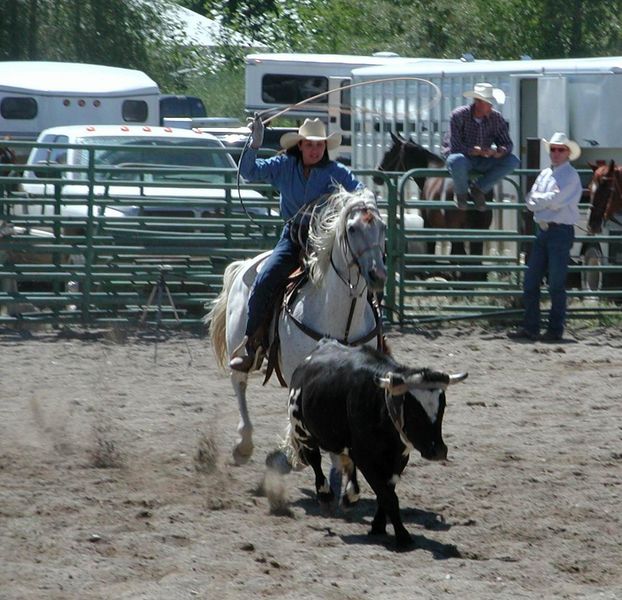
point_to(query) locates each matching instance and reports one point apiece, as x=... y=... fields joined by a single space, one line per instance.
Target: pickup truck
x=134 y=163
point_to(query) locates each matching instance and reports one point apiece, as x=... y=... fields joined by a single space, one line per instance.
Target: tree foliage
x=496 y=29
x=114 y=32
x=138 y=34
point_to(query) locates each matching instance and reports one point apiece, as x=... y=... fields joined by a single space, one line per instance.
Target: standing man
x=478 y=140
x=554 y=202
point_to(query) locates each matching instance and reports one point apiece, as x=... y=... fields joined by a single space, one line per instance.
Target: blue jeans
x=492 y=170
x=549 y=256
x=271 y=279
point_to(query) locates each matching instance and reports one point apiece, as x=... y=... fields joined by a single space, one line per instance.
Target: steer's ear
x=393 y=383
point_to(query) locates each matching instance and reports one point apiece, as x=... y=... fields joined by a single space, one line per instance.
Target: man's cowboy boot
x=479 y=198
x=248 y=356
x=462 y=201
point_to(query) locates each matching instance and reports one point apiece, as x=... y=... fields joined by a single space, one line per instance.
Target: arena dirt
x=116 y=477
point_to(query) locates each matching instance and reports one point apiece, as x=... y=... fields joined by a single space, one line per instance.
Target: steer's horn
x=394 y=384
x=428 y=379
x=457 y=377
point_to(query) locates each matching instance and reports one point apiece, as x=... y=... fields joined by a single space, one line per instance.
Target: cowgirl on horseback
x=302 y=173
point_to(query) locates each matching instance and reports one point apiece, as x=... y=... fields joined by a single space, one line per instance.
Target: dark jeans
x=549 y=256
x=492 y=170
x=271 y=279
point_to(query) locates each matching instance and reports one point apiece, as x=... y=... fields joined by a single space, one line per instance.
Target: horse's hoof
x=277 y=461
x=241 y=457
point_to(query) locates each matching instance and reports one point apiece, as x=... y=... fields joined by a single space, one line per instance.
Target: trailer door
x=340 y=115
x=553 y=110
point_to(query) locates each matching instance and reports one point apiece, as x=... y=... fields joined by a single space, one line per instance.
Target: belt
x=544 y=225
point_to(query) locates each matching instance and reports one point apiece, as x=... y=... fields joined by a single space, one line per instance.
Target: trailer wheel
x=592 y=280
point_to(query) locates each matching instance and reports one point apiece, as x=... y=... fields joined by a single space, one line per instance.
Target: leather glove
x=256 y=126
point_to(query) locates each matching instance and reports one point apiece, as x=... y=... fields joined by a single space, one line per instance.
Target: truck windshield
x=180 y=153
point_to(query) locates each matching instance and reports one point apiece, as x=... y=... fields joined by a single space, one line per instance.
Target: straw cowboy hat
x=561 y=139
x=312 y=130
x=487 y=93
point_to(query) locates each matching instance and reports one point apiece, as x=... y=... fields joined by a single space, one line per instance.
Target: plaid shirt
x=465 y=132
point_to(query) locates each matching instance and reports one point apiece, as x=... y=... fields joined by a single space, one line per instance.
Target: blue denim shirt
x=284 y=172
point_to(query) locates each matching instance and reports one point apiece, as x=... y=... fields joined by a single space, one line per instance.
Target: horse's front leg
x=243 y=449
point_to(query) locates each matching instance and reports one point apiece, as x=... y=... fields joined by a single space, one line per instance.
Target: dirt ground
x=116 y=477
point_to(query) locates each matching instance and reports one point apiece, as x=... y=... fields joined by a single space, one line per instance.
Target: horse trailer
x=576 y=95
x=287 y=84
x=37 y=95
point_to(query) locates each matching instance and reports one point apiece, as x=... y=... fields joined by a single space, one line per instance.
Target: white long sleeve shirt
x=555 y=195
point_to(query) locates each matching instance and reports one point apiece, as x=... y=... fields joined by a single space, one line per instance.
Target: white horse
x=346 y=260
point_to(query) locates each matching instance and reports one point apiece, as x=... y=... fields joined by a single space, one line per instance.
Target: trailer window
x=182 y=106
x=18 y=108
x=289 y=89
x=135 y=111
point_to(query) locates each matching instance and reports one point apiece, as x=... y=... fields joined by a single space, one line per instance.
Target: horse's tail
x=217 y=316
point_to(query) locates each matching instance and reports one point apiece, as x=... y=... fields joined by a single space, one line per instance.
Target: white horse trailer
x=279 y=81
x=37 y=95
x=579 y=96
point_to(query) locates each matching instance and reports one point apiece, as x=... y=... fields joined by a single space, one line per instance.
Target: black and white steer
x=362 y=405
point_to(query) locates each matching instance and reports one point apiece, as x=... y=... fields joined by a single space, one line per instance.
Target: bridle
x=377 y=330
x=373 y=214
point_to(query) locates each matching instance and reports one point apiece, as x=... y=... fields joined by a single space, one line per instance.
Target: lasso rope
x=435 y=100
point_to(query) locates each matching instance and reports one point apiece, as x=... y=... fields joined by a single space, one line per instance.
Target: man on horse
x=302 y=173
x=478 y=140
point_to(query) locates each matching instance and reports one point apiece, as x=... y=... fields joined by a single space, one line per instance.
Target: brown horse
x=605 y=195
x=405 y=155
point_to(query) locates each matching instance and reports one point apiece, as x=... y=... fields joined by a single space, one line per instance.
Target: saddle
x=285 y=302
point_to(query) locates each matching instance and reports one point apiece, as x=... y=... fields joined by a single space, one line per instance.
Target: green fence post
x=89 y=249
x=392 y=245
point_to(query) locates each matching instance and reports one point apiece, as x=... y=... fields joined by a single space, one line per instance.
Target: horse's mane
x=329 y=227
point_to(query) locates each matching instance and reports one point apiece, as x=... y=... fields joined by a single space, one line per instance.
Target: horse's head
x=404 y=155
x=605 y=195
x=350 y=223
x=393 y=159
x=365 y=238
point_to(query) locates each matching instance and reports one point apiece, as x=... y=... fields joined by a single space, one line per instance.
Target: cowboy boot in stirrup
x=248 y=356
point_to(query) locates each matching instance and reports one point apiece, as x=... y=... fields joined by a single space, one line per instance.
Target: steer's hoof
x=327 y=503
x=277 y=461
x=377 y=530
x=404 y=541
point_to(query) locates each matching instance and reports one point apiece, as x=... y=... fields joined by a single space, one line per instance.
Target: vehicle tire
x=592 y=280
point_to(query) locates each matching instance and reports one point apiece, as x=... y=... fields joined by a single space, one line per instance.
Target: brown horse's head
x=605 y=195
x=404 y=155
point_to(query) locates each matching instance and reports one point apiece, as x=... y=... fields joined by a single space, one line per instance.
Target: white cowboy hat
x=561 y=139
x=487 y=93
x=313 y=130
